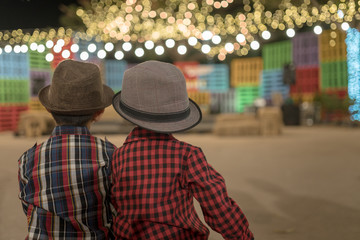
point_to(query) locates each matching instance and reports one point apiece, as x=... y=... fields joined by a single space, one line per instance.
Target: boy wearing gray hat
x=64 y=181
x=155 y=176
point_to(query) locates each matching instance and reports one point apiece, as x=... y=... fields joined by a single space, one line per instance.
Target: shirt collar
x=75 y=130
x=139 y=133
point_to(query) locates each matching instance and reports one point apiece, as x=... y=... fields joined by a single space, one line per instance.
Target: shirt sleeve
x=221 y=213
x=22 y=180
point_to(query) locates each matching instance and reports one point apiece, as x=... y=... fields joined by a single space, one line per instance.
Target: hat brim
x=189 y=122
x=107 y=100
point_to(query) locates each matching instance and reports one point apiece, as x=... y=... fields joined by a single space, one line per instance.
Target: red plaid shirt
x=155 y=178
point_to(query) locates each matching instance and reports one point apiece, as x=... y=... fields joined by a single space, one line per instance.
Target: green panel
x=334 y=75
x=276 y=55
x=245 y=96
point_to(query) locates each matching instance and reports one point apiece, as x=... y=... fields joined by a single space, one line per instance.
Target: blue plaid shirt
x=64 y=185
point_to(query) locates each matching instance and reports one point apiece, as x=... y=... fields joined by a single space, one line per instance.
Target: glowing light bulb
x=24 y=48
x=65 y=54
x=60 y=42
x=119 y=55
x=240 y=38
x=205 y=48
x=170 y=43
x=216 y=39
x=318 y=30
x=101 y=54
x=109 y=46
x=33 y=46
x=8 y=49
x=74 y=48
x=126 y=46
x=182 y=49
x=57 y=49
x=290 y=32
x=345 y=26
x=139 y=52
x=41 y=48
x=207 y=35
x=192 y=41
x=49 y=57
x=92 y=47
x=49 y=44
x=84 y=56
x=149 y=44
x=266 y=35
x=159 y=50
x=17 y=49
x=255 y=45
x=229 y=47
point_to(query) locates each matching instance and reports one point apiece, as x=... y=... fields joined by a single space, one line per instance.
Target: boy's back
x=64 y=181
x=63 y=185
x=155 y=178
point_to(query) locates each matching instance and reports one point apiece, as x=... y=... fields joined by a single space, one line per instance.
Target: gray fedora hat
x=76 y=89
x=154 y=97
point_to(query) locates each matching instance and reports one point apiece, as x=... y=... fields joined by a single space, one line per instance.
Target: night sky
x=30 y=14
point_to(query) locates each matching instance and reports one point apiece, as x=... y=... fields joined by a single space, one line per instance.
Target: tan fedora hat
x=76 y=89
x=154 y=97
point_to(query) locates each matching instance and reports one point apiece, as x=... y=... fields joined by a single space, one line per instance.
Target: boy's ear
x=97 y=115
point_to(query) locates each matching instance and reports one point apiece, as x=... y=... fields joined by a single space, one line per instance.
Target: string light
x=141 y=21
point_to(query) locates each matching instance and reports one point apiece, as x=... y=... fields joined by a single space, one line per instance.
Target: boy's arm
x=22 y=178
x=221 y=213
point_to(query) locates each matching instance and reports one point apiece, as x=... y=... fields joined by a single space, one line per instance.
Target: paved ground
x=302 y=185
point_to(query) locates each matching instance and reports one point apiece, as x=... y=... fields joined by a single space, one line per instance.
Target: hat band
x=151 y=117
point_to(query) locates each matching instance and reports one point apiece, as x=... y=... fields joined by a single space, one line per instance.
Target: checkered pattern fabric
x=65 y=184
x=155 y=178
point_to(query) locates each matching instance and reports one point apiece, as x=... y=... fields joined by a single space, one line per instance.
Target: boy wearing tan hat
x=64 y=181
x=155 y=176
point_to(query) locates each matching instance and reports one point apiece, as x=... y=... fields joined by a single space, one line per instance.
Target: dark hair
x=72 y=120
